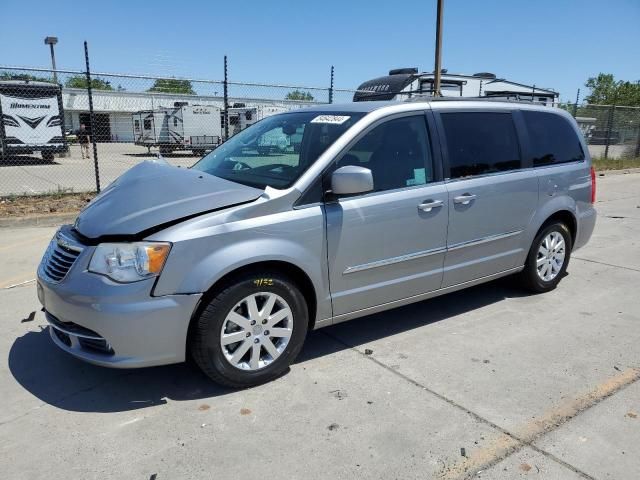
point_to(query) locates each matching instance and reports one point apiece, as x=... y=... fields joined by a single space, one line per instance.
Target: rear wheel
x=198 y=152
x=548 y=258
x=48 y=156
x=251 y=331
x=165 y=150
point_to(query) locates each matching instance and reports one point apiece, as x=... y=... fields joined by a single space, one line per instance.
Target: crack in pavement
x=606 y=264
x=507 y=443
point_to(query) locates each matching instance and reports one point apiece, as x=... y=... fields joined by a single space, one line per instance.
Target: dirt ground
x=43 y=204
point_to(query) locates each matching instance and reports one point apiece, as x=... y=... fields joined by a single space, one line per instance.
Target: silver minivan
x=365 y=207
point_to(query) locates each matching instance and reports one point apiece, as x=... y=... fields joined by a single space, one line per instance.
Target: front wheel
x=548 y=258
x=251 y=331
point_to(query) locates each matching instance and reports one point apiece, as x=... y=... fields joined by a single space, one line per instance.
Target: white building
x=113 y=109
x=407 y=82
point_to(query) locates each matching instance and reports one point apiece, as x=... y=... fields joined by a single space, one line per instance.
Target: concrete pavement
x=488 y=383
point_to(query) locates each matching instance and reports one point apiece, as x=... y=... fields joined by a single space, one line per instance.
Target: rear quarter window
x=479 y=143
x=552 y=139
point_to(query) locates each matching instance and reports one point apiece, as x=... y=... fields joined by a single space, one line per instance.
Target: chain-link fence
x=612 y=132
x=78 y=130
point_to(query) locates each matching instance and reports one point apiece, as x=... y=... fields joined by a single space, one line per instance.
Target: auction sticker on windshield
x=334 y=119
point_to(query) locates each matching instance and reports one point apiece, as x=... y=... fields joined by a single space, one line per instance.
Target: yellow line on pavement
x=506 y=443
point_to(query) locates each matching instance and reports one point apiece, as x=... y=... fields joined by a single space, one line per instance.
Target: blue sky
x=549 y=43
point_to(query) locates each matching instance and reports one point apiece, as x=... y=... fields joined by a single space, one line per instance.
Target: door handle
x=464 y=199
x=429 y=205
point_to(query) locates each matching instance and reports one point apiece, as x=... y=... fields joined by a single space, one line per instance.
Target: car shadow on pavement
x=60 y=380
x=25 y=161
x=385 y=324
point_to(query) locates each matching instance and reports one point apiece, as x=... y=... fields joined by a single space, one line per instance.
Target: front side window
x=276 y=151
x=552 y=139
x=479 y=143
x=397 y=152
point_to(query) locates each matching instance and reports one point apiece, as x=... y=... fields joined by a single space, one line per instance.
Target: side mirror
x=349 y=180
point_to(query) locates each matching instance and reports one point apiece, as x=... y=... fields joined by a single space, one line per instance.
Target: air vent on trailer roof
x=485 y=75
x=399 y=71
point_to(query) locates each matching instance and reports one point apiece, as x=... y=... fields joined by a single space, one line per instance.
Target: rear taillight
x=593 y=184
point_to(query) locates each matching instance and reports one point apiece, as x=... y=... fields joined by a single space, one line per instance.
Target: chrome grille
x=60 y=256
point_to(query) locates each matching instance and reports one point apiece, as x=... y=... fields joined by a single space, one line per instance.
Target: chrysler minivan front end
x=100 y=305
x=120 y=287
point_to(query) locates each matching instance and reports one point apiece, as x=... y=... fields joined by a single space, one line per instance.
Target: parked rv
x=32 y=119
x=407 y=83
x=181 y=127
x=240 y=116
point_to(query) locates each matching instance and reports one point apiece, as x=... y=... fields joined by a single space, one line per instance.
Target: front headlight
x=129 y=262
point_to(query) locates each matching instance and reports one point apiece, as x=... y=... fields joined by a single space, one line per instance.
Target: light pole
x=51 y=41
x=438 y=59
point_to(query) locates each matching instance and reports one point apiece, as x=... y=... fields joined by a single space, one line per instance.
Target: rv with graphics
x=181 y=127
x=32 y=119
x=407 y=83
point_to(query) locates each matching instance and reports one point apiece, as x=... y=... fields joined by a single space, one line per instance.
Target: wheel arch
x=295 y=273
x=568 y=218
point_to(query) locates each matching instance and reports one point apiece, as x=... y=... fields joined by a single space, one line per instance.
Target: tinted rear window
x=552 y=139
x=480 y=142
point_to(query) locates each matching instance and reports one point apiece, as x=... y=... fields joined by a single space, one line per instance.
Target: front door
x=492 y=198
x=389 y=244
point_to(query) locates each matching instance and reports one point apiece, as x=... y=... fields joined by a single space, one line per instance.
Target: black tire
x=165 y=150
x=529 y=276
x=198 y=152
x=48 y=156
x=205 y=346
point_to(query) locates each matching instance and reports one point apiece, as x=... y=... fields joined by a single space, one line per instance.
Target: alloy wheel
x=550 y=258
x=256 y=331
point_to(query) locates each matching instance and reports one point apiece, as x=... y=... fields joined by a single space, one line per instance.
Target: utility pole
x=438 y=59
x=51 y=41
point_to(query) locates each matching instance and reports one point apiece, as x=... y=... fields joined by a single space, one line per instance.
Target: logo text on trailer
x=29 y=105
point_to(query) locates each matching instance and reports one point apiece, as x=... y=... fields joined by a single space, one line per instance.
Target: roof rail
x=429 y=98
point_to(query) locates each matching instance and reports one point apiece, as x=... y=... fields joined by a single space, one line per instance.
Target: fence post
x=226 y=101
x=92 y=118
x=637 y=152
x=609 y=126
x=575 y=106
x=331 y=87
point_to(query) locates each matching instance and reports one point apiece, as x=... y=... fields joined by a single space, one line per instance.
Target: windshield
x=277 y=150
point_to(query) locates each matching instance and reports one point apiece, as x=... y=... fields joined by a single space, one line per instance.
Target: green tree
x=80 y=81
x=24 y=76
x=605 y=90
x=172 y=86
x=299 y=95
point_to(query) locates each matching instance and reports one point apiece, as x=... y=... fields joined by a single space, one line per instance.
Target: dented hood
x=152 y=194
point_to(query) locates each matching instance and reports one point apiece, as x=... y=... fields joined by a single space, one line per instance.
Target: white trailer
x=32 y=119
x=240 y=117
x=182 y=127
